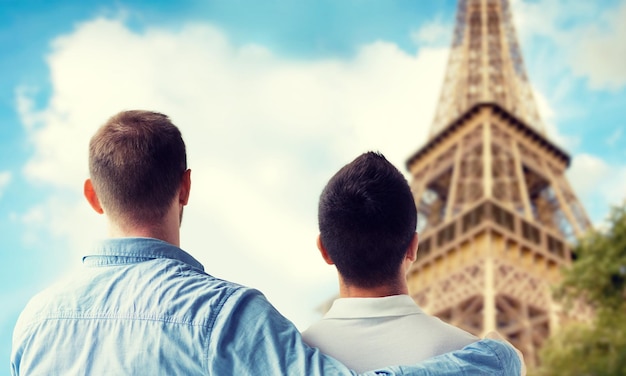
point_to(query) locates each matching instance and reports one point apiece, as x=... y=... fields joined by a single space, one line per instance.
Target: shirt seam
x=166 y=251
x=211 y=324
x=69 y=315
x=497 y=354
x=335 y=316
x=399 y=308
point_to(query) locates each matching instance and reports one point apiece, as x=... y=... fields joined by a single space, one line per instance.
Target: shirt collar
x=118 y=251
x=396 y=305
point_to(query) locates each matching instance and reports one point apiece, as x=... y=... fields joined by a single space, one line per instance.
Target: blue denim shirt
x=144 y=307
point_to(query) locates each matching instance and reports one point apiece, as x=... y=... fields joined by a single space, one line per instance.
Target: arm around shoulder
x=250 y=336
x=484 y=357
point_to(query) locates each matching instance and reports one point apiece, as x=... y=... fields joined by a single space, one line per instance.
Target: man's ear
x=325 y=255
x=411 y=252
x=92 y=197
x=185 y=188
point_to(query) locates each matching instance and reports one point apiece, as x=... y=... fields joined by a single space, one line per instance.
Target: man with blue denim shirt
x=142 y=305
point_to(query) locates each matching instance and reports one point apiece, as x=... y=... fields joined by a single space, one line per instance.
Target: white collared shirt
x=367 y=333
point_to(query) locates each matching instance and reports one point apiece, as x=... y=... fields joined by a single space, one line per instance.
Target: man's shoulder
x=484 y=357
x=398 y=324
x=44 y=298
x=134 y=289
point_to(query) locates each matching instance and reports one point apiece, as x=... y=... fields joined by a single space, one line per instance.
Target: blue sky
x=272 y=98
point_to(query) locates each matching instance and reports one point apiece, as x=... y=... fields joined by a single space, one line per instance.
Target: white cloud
x=33 y=219
x=598 y=184
x=600 y=51
x=549 y=120
x=532 y=18
x=433 y=33
x=263 y=135
x=590 y=39
x=615 y=137
x=5 y=179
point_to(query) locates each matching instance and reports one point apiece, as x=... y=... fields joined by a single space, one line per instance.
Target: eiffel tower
x=496 y=213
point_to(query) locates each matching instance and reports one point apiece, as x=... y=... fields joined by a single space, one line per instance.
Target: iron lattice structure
x=485 y=65
x=496 y=213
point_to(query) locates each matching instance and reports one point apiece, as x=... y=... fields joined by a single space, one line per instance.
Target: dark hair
x=136 y=162
x=367 y=219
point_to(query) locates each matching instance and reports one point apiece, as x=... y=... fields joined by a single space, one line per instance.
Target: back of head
x=367 y=219
x=136 y=163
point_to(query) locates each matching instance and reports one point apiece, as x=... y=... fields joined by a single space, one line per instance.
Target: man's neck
x=168 y=234
x=166 y=228
x=352 y=291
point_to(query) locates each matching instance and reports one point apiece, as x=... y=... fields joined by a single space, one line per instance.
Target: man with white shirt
x=367 y=220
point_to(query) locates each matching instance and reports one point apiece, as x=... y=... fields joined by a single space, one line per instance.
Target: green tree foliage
x=597 y=278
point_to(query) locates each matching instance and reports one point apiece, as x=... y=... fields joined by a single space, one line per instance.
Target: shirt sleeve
x=249 y=336
x=484 y=357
